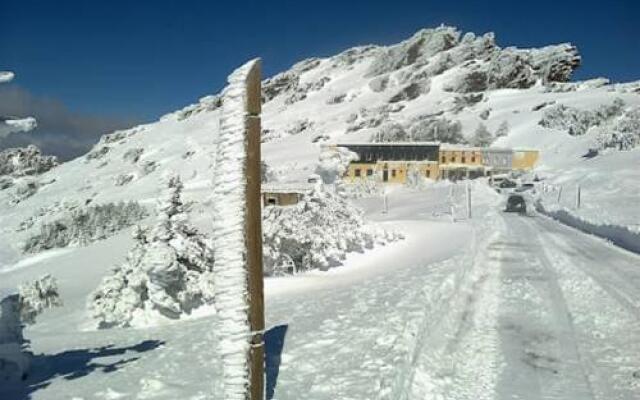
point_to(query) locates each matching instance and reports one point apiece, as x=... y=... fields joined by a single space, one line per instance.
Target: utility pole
x=237 y=237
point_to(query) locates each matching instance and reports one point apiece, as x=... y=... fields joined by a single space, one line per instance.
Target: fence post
x=385 y=205
x=468 y=201
x=559 y=194
x=578 y=195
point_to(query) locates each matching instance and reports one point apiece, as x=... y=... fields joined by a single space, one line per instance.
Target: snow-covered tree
x=391 y=132
x=503 y=129
x=333 y=163
x=436 y=130
x=316 y=233
x=168 y=270
x=19 y=309
x=482 y=137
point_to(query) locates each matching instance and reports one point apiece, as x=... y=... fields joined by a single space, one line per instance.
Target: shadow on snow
x=273 y=345
x=73 y=364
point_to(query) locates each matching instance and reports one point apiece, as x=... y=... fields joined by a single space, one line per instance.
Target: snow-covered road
x=531 y=310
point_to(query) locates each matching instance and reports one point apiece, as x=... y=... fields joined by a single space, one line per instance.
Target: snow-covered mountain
x=439 y=84
x=389 y=327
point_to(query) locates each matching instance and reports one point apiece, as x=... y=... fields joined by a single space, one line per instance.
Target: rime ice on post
x=237 y=237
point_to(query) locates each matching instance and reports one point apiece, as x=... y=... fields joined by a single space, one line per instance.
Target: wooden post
x=253 y=233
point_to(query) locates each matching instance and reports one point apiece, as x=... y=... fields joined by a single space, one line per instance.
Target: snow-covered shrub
x=366 y=187
x=481 y=137
x=411 y=91
x=462 y=102
x=19 y=309
x=333 y=163
x=133 y=155
x=85 y=225
x=169 y=270
x=368 y=118
x=622 y=134
x=390 y=132
x=24 y=188
x=316 y=233
x=576 y=121
x=37 y=296
x=25 y=161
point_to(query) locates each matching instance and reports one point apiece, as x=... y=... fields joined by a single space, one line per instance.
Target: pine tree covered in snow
x=168 y=270
x=333 y=163
x=19 y=309
x=316 y=233
x=482 y=137
x=503 y=129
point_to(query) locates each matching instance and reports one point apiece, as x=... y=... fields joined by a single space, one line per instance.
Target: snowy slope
x=353 y=96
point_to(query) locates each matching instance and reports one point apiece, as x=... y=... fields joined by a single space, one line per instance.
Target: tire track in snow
x=456 y=356
x=606 y=329
x=539 y=339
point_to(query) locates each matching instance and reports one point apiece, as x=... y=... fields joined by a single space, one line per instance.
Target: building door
x=385 y=175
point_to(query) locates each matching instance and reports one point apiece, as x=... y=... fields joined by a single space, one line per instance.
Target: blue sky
x=135 y=60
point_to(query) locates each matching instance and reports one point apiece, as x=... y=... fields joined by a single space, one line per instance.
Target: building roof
x=384 y=144
x=292 y=187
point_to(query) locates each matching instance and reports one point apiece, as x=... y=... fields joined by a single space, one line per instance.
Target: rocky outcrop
x=26 y=161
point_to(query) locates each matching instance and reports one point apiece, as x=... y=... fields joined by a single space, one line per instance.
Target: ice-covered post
x=237 y=237
x=578 y=194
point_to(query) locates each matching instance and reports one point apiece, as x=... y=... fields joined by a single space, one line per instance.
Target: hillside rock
x=26 y=161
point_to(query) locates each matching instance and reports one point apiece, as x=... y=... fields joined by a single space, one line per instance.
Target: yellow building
x=457 y=162
x=392 y=162
x=524 y=160
x=395 y=162
x=391 y=171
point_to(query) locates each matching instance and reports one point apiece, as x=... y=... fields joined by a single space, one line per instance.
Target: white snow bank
x=623 y=236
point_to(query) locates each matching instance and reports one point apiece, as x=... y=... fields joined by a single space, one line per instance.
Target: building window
x=453 y=159
x=428 y=173
x=473 y=159
x=369 y=172
x=357 y=172
x=464 y=159
x=393 y=173
x=444 y=159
